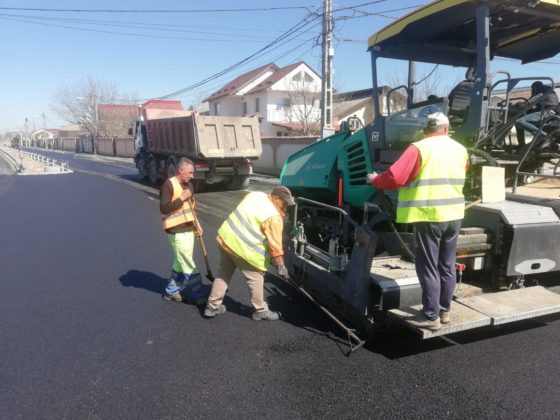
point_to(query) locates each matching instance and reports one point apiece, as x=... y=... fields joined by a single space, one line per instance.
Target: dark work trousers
x=435 y=264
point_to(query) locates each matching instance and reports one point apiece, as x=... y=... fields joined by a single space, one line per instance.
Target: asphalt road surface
x=84 y=332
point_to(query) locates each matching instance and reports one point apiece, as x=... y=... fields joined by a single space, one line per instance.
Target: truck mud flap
x=487 y=309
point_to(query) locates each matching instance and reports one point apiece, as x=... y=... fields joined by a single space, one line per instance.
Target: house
x=45 y=134
x=160 y=108
x=359 y=104
x=71 y=130
x=44 y=137
x=286 y=100
x=115 y=120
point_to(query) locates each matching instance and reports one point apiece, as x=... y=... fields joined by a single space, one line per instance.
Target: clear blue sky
x=153 y=54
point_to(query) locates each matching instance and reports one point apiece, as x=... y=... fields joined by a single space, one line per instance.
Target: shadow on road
x=399 y=343
x=394 y=343
x=299 y=311
x=143 y=280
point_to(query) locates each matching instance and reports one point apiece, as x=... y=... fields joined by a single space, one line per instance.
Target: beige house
x=359 y=104
x=286 y=100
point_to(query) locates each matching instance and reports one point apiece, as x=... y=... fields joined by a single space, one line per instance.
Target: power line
x=380 y=14
x=304 y=22
x=129 y=33
x=262 y=9
x=148 y=25
x=282 y=38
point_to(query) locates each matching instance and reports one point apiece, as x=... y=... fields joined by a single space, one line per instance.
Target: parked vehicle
x=222 y=148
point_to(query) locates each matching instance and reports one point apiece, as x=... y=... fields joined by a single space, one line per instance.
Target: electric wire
x=298 y=26
x=252 y=9
x=304 y=22
x=120 y=24
x=133 y=34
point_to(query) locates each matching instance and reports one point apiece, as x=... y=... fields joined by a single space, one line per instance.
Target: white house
x=286 y=100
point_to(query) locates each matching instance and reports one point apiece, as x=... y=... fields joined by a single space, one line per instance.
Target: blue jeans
x=528 y=122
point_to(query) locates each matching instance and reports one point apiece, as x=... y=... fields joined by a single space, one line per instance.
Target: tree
x=301 y=105
x=77 y=103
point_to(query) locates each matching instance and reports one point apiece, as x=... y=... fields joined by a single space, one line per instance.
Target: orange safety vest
x=183 y=214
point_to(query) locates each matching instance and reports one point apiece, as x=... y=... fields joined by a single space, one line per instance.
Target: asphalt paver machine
x=346 y=253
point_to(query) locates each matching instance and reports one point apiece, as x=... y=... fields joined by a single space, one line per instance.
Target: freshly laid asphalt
x=85 y=334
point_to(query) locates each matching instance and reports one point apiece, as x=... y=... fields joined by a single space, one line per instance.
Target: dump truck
x=345 y=251
x=222 y=148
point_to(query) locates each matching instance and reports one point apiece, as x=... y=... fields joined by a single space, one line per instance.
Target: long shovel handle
x=209 y=274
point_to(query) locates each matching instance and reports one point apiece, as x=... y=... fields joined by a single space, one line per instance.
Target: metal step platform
x=488 y=309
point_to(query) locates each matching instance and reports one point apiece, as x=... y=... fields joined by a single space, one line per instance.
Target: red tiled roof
x=279 y=74
x=239 y=82
x=162 y=104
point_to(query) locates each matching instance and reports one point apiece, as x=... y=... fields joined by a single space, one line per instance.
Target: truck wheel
x=141 y=166
x=237 y=182
x=171 y=167
x=153 y=171
x=199 y=185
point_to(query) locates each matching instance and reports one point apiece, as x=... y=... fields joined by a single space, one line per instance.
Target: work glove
x=283 y=272
x=370 y=177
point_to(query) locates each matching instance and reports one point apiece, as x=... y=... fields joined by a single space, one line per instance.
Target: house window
x=257 y=104
x=303 y=75
x=216 y=108
x=244 y=108
x=287 y=103
x=278 y=134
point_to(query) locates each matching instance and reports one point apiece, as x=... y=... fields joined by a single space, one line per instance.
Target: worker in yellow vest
x=251 y=240
x=176 y=206
x=430 y=176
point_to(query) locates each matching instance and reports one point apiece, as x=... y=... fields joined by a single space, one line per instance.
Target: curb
x=10 y=159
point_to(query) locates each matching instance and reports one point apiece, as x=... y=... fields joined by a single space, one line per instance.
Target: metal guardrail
x=47 y=161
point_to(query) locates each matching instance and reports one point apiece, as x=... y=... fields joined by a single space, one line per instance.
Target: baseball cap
x=437 y=118
x=285 y=195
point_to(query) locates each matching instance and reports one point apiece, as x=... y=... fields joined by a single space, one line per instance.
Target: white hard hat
x=438 y=118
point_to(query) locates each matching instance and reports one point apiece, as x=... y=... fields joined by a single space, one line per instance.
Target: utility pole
x=326 y=85
x=27 y=130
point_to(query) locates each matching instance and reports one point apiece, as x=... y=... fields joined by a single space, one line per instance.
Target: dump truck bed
x=203 y=137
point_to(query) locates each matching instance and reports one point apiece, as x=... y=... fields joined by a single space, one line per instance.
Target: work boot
x=421 y=321
x=444 y=317
x=266 y=315
x=175 y=297
x=211 y=312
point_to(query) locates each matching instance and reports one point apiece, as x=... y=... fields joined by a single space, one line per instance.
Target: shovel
x=209 y=274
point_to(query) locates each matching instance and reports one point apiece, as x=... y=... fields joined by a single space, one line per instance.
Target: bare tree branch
x=301 y=106
x=77 y=103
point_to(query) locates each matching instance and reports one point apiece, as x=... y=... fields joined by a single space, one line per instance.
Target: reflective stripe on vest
x=241 y=231
x=436 y=194
x=180 y=216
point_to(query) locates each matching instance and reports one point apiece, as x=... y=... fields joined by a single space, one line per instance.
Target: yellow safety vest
x=436 y=194
x=182 y=214
x=241 y=231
